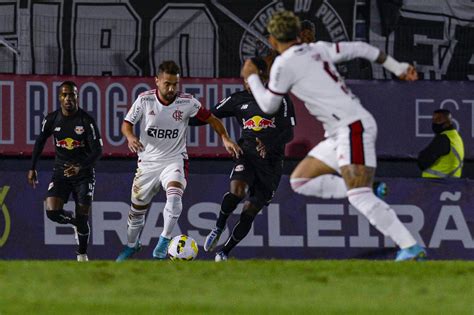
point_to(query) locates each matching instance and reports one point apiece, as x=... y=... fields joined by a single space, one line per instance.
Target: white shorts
x=352 y=144
x=151 y=175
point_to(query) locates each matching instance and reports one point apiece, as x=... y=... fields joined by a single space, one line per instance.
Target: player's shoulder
x=86 y=116
x=186 y=99
x=321 y=45
x=241 y=95
x=235 y=99
x=147 y=95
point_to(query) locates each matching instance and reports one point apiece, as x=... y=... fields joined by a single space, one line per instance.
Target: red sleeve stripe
x=276 y=93
x=337 y=48
x=203 y=114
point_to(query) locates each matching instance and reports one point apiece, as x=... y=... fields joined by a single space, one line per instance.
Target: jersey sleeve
x=199 y=111
x=226 y=107
x=287 y=112
x=45 y=133
x=281 y=77
x=136 y=112
x=344 y=51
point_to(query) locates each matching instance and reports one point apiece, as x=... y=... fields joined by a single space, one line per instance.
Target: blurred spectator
x=444 y=156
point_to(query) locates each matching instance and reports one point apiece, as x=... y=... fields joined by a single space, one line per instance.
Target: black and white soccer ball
x=182 y=247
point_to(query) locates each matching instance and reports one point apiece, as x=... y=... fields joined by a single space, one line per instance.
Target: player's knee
x=300 y=186
x=174 y=204
x=83 y=209
x=249 y=214
x=82 y=224
x=59 y=216
x=239 y=191
x=230 y=202
x=254 y=205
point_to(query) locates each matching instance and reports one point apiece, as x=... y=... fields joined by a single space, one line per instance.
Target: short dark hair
x=308 y=25
x=261 y=64
x=68 y=83
x=168 y=66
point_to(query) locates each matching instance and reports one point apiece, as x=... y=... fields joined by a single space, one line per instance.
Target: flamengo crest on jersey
x=162 y=127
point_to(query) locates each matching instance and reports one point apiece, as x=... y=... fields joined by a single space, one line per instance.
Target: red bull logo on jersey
x=257 y=123
x=69 y=144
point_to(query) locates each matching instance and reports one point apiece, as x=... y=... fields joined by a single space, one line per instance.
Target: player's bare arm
x=229 y=144
x=248 y=69
x=134 y=144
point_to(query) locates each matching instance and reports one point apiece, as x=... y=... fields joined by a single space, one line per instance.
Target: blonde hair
x=284 y=26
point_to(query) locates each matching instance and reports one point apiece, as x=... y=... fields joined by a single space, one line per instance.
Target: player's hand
x=71 y=169
x=232 y=147
x=410 y=74
x=33 y=178
x=261 y=149
x=248 y=69
x=134 y=144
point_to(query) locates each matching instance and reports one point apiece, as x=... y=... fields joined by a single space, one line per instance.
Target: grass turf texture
x=237 y=287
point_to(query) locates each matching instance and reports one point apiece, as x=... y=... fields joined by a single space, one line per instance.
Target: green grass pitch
x=237 y=287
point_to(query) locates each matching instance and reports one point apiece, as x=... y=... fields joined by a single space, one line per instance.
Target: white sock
x=324 y=186
x=172 y=210
x=136 y=222
x=380 y=215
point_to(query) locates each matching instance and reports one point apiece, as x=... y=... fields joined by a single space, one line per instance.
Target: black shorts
x=81 y=186
x=262 y=176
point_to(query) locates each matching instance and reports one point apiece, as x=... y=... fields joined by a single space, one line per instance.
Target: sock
x=61 y=216
x=239 y=232
x=381 y=216
x=172 y=210
x=324 y=186
x=228 y=205
x=135 y=224
x=82 y=226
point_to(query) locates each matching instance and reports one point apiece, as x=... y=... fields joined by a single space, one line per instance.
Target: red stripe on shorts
x=357 y=143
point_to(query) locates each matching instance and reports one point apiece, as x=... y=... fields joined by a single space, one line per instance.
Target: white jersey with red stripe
x=308 y=71
x=163 y=127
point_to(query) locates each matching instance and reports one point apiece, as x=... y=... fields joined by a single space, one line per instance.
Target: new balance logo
x=151 y=113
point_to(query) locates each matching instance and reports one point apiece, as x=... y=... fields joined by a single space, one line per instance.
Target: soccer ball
x=182 y=247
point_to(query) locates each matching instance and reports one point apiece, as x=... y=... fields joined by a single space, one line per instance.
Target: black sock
x=61 y=216
x=82 y=225
x=240 y=231
x=229 y=203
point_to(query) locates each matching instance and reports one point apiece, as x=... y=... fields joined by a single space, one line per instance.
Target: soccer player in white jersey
x=163 y=115
x=308 y=71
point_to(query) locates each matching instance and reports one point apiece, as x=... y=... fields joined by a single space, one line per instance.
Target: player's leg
x=145 y=186
x=267 y=177
x=314 y=175
x=241 y=229
x=83 y=193
x=173 y=178
x=242 y=174
x=82 y=230
x=357 y=145
x=58 y=193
